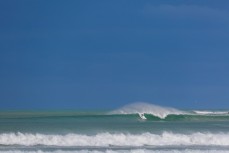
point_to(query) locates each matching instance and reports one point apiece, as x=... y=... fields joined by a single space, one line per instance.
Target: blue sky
x=57 y=54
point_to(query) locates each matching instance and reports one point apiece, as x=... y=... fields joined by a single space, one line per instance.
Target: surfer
x=142 y=116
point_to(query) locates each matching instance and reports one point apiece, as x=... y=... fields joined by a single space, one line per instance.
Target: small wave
x=145 y=108
x=118 y=139
x=211 y=112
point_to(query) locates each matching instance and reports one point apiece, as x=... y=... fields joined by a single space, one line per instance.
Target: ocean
x=134 y=128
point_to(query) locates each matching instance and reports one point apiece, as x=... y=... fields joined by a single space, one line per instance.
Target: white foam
x=119 y=139
x=210 y=112
x=124 y=151
x=145 y=108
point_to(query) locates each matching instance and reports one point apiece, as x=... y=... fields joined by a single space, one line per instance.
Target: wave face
x=119 y=139
x=188 y=117
x=145 y=108
x=158 y=113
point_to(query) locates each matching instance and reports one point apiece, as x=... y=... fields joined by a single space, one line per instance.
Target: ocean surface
x=134 y=128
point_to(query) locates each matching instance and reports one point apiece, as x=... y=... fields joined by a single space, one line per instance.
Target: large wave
x=155 y=112
x=133 y=111
x=116 y=139
x=145 y=108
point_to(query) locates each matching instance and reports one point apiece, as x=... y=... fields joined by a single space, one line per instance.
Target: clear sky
x=87 y=54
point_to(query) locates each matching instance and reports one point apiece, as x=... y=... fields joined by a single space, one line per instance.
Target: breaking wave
x=116 y=139
x=135 y=111
x=154 y=112
x=145 y=108
x=211 y=112
x=124 y=151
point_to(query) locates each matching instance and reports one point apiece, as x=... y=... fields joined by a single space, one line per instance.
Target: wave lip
x=146 y=108
x=117 y=139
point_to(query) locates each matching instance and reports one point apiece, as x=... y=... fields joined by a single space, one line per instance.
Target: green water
x=102 y=131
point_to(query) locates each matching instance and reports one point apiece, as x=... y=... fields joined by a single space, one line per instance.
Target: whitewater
x=118 y=140
x=134 y=128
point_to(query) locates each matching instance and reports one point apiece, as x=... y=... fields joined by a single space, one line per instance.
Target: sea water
x=135 y=128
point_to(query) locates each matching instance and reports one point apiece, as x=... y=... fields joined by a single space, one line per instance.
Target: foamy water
x=121 y=139
x=211 y=112
x=134 y=128
x=125 y=151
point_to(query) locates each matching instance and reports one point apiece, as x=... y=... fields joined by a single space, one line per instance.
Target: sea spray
x=145 y=108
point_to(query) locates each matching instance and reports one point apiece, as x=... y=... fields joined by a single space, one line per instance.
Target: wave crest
x=142 y=108
x=211 y=112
